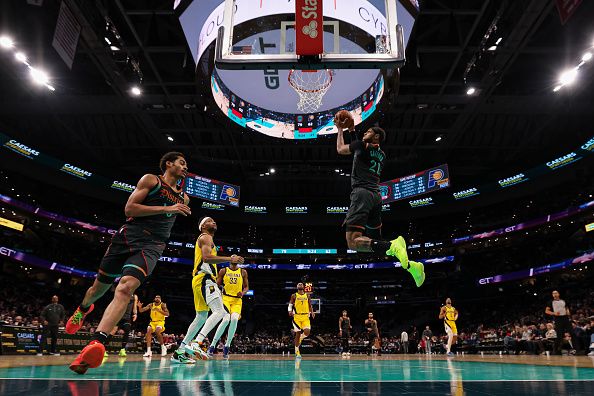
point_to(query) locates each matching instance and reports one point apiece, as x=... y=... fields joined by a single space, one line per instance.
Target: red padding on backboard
x=309 y=27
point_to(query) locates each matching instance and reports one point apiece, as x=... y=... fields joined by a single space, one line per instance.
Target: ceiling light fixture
x=21 y=57
x=587 y=56
x=470 y=91
x=6 y=42
x=135 y=91
x=437 y=139
x=272 y=170
x=568 y=76
x=170 y=138
x=39 y=76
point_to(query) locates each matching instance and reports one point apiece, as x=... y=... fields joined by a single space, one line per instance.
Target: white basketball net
x=311 y=86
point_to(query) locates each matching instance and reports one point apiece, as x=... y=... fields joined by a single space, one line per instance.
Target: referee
x=560 y=313
x=52 y=317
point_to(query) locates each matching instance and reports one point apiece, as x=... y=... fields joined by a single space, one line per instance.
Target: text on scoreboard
x=420 y=183
x=211 y=190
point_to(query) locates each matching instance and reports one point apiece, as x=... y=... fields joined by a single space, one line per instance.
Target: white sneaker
x=40 y=354
x=148 y=354
x=163 y=350
x=195 y=350
x=591 y=353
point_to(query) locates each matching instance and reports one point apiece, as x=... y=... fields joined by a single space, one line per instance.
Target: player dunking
x=300 y=310
x=206 y=291
x=159 y=312
x=235 y=284
x=364 y=214
x=449 y=315
x=133 y=253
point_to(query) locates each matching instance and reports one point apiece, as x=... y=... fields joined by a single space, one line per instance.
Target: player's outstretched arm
x=341 y=148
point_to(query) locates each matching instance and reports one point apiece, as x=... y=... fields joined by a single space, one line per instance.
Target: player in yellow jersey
x=449 y=315
x=159 y=312
x=300 y=310
x=207 y=295
x=234 y=281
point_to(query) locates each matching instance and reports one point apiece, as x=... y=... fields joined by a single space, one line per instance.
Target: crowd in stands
x=519 y=330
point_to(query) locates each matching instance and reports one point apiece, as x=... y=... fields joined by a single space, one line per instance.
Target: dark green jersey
x=159 y=226
x=368 y=163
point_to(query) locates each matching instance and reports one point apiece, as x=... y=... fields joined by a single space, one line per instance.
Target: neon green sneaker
x=417 y=270
x=398 y=250
x=122 y=353
x=105 y=355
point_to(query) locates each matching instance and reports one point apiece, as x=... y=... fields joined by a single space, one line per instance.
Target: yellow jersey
x=232 y=282
x=450 y=314
x=201 y=268
x=301 y=306
x=157 y=316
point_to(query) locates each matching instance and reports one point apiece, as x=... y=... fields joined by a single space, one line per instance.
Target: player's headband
x=204 y=220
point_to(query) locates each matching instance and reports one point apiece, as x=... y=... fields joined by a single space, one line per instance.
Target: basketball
x=343 y=119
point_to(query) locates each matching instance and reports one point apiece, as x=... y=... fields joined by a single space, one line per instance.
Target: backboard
x=309 y=35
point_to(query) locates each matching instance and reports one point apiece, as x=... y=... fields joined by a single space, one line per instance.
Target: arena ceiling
x=514 y=121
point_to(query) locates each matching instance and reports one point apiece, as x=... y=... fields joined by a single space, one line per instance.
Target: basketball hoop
x=311 y=86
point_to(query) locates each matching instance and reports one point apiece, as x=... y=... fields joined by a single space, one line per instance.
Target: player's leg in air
x=372 y=242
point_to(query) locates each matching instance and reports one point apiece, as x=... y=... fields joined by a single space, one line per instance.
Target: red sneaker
x=75 y=322
x=90 y=357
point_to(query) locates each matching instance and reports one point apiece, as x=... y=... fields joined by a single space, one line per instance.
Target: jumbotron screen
x=211 y=190
x=420 y=183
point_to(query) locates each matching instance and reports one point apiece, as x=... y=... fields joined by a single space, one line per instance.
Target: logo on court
x=311 y=30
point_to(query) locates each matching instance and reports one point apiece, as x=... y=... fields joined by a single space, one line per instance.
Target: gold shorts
x=233 y=304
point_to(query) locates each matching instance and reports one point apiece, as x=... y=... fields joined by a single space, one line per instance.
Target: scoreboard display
x=420 y=183
x=306 y=123
x=211 y=190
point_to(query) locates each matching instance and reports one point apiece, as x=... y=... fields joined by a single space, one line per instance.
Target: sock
x=84 y=309
x=100 y=336
x=220 y=331
x=211 y=322
x=195 y=326
x=379 y=246
x=232 y=329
